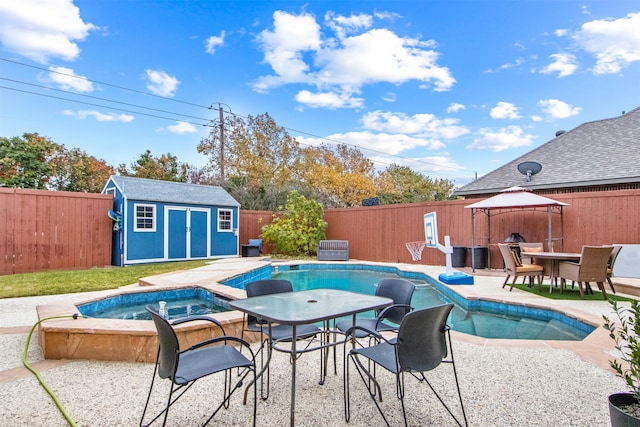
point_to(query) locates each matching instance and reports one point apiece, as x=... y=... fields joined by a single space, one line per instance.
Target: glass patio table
x=299 y=308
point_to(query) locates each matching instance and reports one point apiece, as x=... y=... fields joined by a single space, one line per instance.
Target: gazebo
x=508 y=200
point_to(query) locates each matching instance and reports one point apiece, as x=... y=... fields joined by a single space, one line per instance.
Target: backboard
x=430 y=230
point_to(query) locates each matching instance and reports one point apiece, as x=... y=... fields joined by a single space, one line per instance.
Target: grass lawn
x=568 y=293
x=94 y=279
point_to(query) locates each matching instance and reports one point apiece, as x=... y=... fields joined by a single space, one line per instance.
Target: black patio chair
x=423 y=343
x=185 y=367
x=401 y=292
x=277 y=333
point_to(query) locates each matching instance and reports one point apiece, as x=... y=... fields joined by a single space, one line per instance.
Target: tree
x=298 y=229
x=165 y=168
x=24 y=161
x=256 y=150
x=75 y=170
x=339 y=178
x=400 y=184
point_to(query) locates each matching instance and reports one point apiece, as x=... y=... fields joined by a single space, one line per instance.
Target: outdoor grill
x=514 y=239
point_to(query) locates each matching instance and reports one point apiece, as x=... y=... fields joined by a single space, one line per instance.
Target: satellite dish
x=529 y=169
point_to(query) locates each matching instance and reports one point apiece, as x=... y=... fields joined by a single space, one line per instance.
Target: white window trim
x=153 y=218
x=218 y=221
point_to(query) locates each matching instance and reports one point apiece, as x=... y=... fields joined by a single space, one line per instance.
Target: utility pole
x=221 y=143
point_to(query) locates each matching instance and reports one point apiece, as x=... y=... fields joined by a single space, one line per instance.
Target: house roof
x=601 y=152
x=515 y=197
x=153 y=190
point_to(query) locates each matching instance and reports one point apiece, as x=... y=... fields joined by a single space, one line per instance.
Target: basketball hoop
x=415 y=248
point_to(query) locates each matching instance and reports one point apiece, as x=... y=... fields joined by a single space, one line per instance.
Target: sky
x=452 y=89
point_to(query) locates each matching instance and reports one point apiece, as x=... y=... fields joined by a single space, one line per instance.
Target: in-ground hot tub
x=128 y=340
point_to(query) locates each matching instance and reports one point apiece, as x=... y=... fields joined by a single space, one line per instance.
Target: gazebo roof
x=515 y=197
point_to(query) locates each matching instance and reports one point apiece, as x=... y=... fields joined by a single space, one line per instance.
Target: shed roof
x=154 y=190
x=515 y=197
x=600 y=152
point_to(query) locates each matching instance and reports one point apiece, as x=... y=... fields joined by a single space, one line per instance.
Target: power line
x=100 y=99
x=102 y=83
x=99 y=105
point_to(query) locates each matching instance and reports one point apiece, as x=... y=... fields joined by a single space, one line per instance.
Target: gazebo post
x=473 y=239
x=488 y=239
x=562 y=225
x=550 y=239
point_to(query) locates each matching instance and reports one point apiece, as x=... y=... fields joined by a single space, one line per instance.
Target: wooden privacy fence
x=45 y=230
x=52 y=230
x=379 y=233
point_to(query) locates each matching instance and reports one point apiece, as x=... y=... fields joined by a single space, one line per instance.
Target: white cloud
x=100 y=117
x=424 y=125
x=162 y=84
x=502 y=139
x=284 y=47
x=516 y=63
x=181 y=128
x=330 y=100
x=563 y=63
x=41 y=30
x=390 y=97
x=213 y=42
x=505 y=110
x=454 y=107
x=66 y=79
x=298 y=52
x=343 y=25
x=391 y=144
x=556 y=109
x=615 y=43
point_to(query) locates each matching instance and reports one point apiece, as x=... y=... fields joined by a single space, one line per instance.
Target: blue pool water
x=481 y=318
x=180 y=303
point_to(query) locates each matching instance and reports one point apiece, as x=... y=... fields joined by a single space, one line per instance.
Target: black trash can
x=458 y=256
x=479 y=257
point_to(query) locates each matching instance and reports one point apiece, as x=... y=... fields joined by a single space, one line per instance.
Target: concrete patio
x=504 y=382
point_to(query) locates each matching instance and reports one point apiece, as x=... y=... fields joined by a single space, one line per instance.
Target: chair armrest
x=383 y=314
x=355 y=328
x=220 y=339
x=568 y=269
x=375 y=334
x=194 y=318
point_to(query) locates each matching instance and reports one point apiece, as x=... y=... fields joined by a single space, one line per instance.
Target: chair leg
x=611 y=284
x=580 y=289
x=506 y=279
x=603 y=290
x=362 y=371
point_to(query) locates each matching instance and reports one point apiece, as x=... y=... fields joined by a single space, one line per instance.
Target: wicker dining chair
x=514 y=267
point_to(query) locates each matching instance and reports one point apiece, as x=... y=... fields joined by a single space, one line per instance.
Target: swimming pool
x=486 y=319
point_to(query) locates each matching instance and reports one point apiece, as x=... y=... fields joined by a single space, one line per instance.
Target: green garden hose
x=37 y=374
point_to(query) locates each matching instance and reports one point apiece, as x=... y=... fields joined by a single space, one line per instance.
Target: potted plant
x=624 y=329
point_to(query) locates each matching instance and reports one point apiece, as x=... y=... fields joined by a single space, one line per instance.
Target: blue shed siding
x=224 y=242
x=144 y=245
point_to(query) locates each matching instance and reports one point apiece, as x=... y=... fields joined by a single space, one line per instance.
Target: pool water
x=474 y=322
x=180 y=303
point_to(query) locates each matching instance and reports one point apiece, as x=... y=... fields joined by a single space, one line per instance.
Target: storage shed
x=158 y=221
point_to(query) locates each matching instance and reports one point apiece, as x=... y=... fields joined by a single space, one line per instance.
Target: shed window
x=225 y=220
x=145 y=218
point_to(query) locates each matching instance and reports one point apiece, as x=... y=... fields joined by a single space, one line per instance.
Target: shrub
x=625 y=334
x=298 y=229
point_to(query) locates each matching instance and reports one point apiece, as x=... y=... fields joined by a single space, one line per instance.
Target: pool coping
x=135 y=340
